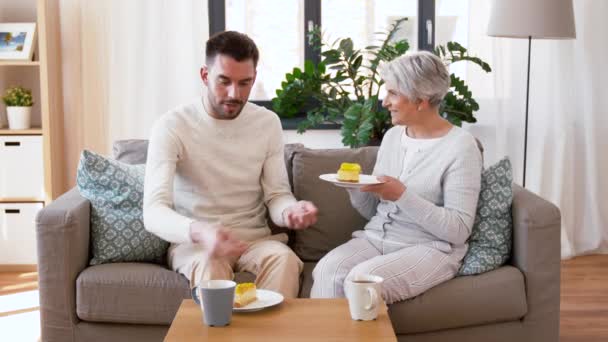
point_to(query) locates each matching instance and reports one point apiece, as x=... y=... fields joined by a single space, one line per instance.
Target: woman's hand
x=390 y=190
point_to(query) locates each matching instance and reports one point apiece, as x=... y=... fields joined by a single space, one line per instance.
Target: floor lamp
x=538 y=19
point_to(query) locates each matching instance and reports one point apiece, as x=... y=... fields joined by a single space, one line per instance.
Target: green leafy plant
x=344 y=87
x=458 y=105
x=18 y=97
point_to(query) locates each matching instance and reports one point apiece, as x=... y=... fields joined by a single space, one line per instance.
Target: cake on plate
x=349 y=172
x=244 y=294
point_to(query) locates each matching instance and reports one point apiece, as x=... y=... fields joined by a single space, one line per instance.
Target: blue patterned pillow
x=491 y=238
x=115 y=190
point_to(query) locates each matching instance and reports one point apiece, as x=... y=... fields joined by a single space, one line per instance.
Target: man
x=213 y=167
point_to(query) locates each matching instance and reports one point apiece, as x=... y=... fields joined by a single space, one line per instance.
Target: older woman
x=422 y=215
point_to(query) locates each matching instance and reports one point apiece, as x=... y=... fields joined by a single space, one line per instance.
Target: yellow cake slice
x=244 y=294
x=349 y=172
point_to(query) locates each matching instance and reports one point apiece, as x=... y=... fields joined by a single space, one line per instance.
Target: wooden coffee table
x=301 y=319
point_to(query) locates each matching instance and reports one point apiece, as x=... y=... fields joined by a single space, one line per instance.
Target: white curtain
x=157 y=50
x=125 y=63
x=567 y=117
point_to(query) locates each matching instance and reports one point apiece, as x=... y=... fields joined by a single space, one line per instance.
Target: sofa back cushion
x=135 y=151
x=115 y=190
x=337 y=219
x=131 y=151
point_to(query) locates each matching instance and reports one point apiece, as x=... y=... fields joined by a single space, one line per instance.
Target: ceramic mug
x=364 y=294
x=216 y=298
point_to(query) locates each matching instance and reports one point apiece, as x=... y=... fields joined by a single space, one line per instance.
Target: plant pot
x=19 y=117
x=374 y=141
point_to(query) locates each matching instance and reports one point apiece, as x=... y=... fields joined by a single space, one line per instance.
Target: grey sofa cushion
x=131 y=151
x=495 y=296
x=289 y=153
x=306 y=279
x=337 y=219
x=137 y=293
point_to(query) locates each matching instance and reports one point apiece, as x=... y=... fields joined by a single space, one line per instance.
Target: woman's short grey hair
x=418 y=75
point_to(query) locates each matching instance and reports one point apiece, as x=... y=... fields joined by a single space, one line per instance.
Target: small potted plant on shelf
x=18 y=101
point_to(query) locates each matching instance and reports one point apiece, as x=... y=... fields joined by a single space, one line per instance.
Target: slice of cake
x=349 y=172
x=244 y=294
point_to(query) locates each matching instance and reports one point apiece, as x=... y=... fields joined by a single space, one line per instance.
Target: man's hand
x=391 y=190
x=300 y=215
x=217 y=240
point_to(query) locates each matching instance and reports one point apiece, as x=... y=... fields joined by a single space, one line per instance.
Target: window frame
x=312 y=16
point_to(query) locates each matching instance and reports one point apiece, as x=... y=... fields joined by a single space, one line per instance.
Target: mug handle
x=373 y=296
x=194 y=292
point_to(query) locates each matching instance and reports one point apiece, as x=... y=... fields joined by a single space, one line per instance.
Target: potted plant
x=18 y=101
x=344 y=87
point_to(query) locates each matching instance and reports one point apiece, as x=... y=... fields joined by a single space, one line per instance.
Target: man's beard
x=219 y=109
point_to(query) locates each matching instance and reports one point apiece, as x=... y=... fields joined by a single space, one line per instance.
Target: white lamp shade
x=549 y=19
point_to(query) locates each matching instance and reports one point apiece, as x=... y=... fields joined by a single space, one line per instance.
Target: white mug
x=364 y=294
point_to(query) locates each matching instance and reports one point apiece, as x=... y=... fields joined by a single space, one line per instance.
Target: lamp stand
x=527 y=100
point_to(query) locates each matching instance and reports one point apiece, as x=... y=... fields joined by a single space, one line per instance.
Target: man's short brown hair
x=234 y=44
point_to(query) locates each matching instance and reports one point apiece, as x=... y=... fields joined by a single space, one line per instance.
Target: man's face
x=229 y=83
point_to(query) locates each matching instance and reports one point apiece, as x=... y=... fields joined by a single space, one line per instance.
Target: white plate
x=363 y=180
x=266 y=299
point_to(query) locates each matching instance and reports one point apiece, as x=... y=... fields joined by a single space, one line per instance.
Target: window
x=360 y=20
x=278 y=28
x=452 y=18
x=280 y=38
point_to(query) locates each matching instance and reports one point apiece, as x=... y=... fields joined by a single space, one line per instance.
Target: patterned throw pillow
x=115 y=191
x=491 y=238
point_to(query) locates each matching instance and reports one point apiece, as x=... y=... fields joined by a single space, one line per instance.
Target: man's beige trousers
x=275 y=265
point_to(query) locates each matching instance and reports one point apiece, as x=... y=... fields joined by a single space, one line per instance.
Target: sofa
x=138 y=301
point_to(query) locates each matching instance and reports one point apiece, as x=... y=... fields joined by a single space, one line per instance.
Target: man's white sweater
x=215 y=171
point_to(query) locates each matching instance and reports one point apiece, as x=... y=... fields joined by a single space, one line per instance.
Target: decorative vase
x=19 y=117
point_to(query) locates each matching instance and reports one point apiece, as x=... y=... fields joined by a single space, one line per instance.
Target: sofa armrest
x=62 y=231
x=537 y=253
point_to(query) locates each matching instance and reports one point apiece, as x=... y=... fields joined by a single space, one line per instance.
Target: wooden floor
x=15 y=282
x=584 y=297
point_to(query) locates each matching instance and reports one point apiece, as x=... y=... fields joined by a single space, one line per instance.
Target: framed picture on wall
x=17 y=41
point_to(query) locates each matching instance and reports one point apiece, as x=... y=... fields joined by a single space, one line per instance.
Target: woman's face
x=403 y=111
